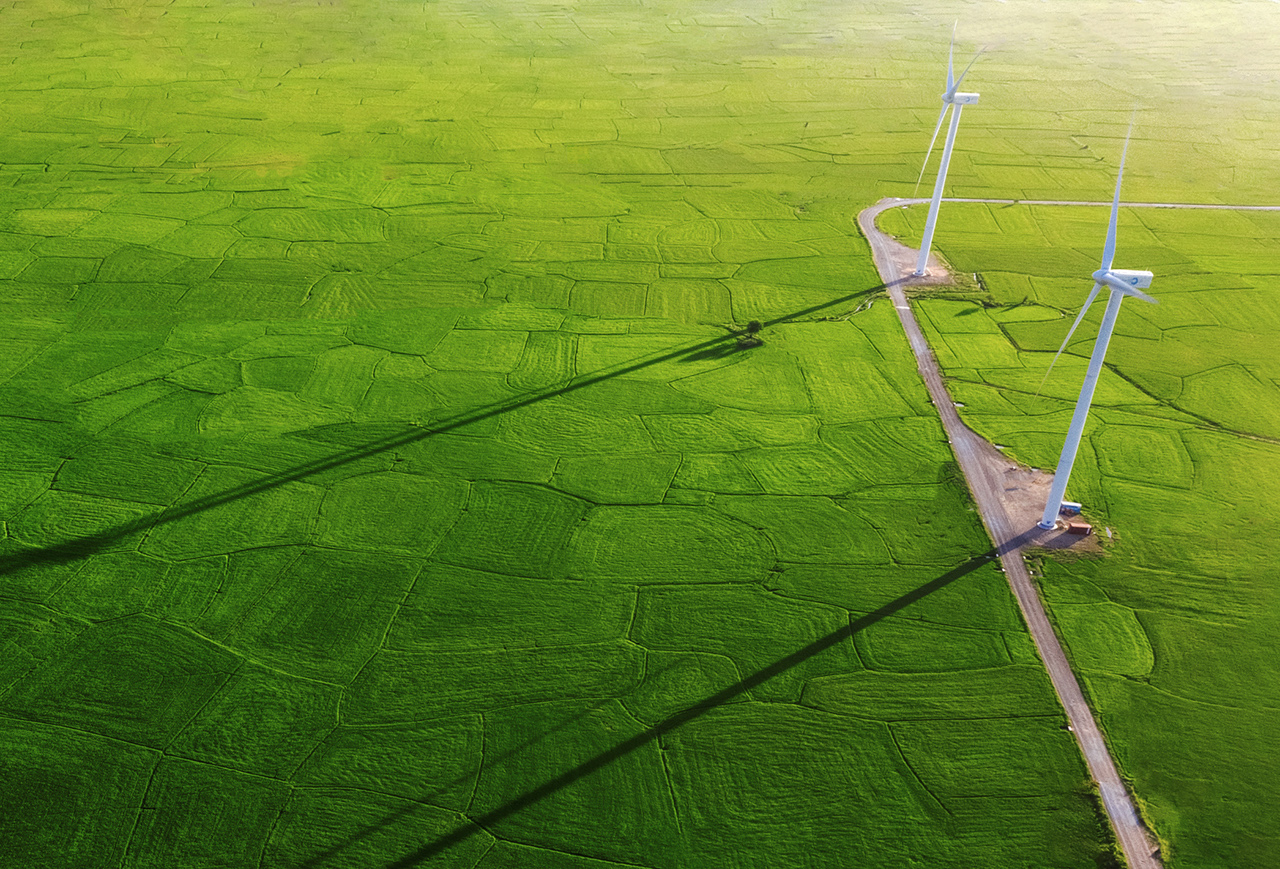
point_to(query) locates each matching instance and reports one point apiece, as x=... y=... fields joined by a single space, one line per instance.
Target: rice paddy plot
x=1171 y=624
x=377 y=445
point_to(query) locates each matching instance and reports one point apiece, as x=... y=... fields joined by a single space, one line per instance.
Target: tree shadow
x=483 y=822
x=84 y=546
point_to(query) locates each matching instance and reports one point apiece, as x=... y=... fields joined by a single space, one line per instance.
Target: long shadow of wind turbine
x=86 y=545
x=475 y=825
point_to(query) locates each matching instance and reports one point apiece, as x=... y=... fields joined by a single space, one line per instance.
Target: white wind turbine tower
x=951 y=98
x=1121 y=282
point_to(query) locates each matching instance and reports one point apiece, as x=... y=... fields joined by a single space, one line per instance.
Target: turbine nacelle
x=960 y=99
x=1128 y=281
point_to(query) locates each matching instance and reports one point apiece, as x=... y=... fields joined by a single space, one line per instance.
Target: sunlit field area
x=384 y=481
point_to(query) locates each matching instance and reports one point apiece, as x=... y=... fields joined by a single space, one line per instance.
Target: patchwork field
x=383 y=486
x=1172 y=632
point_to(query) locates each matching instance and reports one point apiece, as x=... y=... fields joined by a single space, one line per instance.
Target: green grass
x=379 y=472
x=1171 y=631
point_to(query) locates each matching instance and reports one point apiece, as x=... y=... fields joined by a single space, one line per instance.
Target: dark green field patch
x=235 y=509
x=134 y=679
x=355 y=827
x=55 y=773
x=400 y=687
x=452 y=607
x=617 y=813
x=261 y=721
x=197 y=814
x=750 y=626
x=745 y=776
x=126 y=470
x=395 y=512
x=326 y=614
x=808 y=529
x=536 y=523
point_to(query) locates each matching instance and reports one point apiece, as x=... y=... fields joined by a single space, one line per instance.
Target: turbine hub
x=1124 y=279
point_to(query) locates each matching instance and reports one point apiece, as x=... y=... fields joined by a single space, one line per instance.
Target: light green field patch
x=667 y=544
x=1002 y=691
x=1236 y=398
x=617 y=479
x=401 y=687
x=547 y=359
x=1150 y=455
x=415 y=332
x=256 y=413
x=1105 y=636
x=760 y=382
x=390 y=512
x=560 y=425
x=132 y=228
x=689 y=301
x=808 y=529
x=907 y=646
x=182 y=206
x=801 y=470
x=261 y=721
x=50 y=222
x=913 y=447
x=478 y=350
x=372 y=759
x=343 y=225
x=536 y=523
x=341 y=376
x=607 y=299
x=716 y=472
x=272 y=345
x=198 y=241
x=730 y=430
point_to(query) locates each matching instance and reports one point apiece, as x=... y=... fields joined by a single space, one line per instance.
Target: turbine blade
x=955 y=86
x=950 y=55
x=929 y=153
x=1138 y=294
x=1065 y=341
x=1109 y=250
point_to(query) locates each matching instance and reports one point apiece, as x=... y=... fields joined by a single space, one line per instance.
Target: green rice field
x=383 y=484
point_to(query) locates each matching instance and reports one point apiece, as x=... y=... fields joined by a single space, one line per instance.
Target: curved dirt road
x=988 y=472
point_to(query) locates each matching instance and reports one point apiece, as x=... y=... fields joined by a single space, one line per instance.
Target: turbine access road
x=989 y=476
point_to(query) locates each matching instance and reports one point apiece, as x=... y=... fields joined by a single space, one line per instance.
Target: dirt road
x=1006 y=496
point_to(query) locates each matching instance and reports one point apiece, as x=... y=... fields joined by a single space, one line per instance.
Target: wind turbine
x=951 y=98
x=1121 y=282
